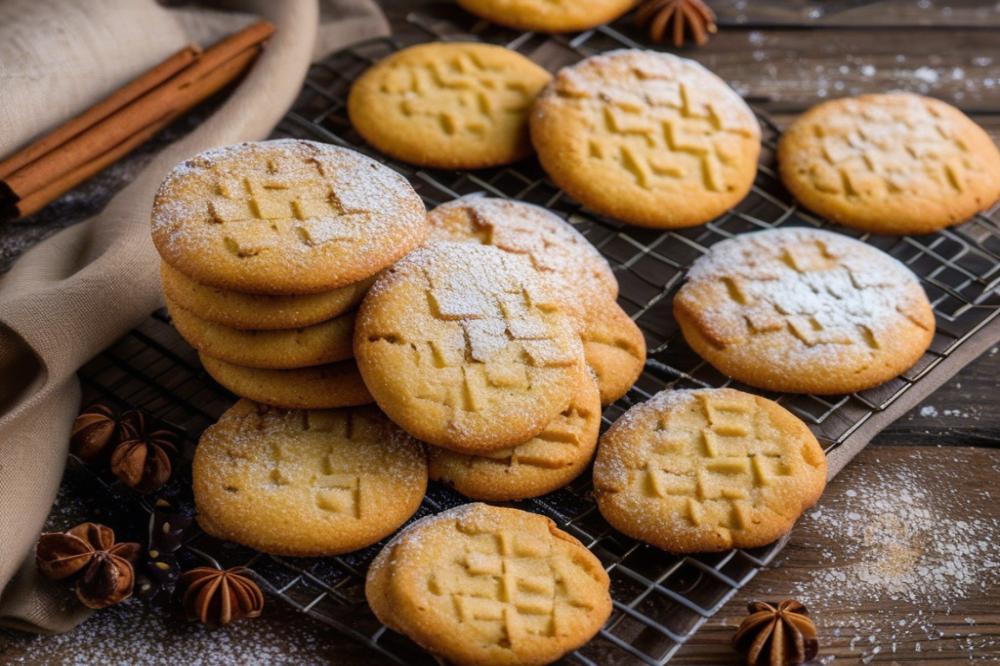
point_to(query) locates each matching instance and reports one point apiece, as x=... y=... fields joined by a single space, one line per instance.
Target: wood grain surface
x=943 y=456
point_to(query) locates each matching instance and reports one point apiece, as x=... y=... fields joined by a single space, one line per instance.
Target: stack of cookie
x=486 y=348
x=267 y=248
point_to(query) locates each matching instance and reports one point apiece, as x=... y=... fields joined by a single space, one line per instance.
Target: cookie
x=319 y=387
x=707 y=470
x=894 y=163
x=552 y=244
x=466 y=347
x=256 y=312
x=647 y=138
x=613 y=345
x=548 y=15
x=804 y=311
x=448 y=105
x=318 y=344
x=544 y=463
x=285 y=217
x=479 y=584
x=306 y=483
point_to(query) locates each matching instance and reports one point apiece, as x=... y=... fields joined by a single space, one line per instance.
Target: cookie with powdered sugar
x=467 y=347
x=707 y=470
x=614 y=346
x=647 y=138
x=894 y=163
x=479 y=584
x=306 y=483
x=544 y=463
x=804 y=311
x=284 y=217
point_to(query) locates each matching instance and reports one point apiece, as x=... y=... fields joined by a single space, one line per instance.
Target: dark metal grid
x=659 y=600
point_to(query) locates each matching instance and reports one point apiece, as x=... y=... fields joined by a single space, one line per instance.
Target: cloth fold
x=75 y=293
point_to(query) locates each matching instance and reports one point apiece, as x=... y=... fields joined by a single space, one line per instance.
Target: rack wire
x=660 y=600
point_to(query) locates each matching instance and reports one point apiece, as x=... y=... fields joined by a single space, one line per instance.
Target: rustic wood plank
x=792 y=69
x=836 y=13
x=880 y=609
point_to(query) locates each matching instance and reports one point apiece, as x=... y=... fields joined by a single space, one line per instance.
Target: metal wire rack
x=660 y=601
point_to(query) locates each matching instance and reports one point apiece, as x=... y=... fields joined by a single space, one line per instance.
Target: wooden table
x=924 y=488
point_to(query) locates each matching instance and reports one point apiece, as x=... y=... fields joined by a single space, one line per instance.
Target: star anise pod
x=93 y=430
x=217 y=597
x=777 y=635
x=104 y=567
x=142 y=458
x=677 y=18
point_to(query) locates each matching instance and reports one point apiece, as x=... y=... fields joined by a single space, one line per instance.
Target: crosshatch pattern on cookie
x=542 y=464
x=905 y=144
x=287 y=215
x=816 y=288
x=553 y=245
x=504 y=579
x=463 y=94
x=716 y=462
x=661 y=120
x=264 y=470
x=478 y=330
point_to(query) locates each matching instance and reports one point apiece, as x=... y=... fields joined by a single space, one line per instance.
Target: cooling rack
x=660 y=600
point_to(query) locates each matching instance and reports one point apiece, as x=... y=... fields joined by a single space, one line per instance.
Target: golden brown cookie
x=613 y=345
x=646 y=137
x=707 y=470
x=804 y=311
x=285 y=217
x=553 y=245
x=544 y=463
x=322 y=343
x=894 y=163
x=548 y=15
x=256 y=312
x=319 y=387
x=448 y=104
x=479 y=584
x=306 y=483
x=466 y=347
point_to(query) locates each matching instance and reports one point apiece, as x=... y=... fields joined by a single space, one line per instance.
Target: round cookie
x=479 y=584
x=707 y=470
x=318 y=344
x=548 y=15
x=306 y=483
x=647 y=138
x=319 y=387
x=544 y=463
x=552 y=244
x=466 y=347
x=448 y=105
x=256 y=312
x=614 y=347
x=894 y=163
x=285 y=217
x=804 y=311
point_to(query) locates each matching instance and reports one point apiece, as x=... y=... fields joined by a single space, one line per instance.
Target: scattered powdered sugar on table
x=924 y=539
x=114 y=636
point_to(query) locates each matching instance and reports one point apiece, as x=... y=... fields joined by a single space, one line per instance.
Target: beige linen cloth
x=77 y=292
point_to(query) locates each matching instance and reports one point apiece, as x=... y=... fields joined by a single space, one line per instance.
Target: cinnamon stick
x=115 y=101
x=198 y=91
x=72 y=161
